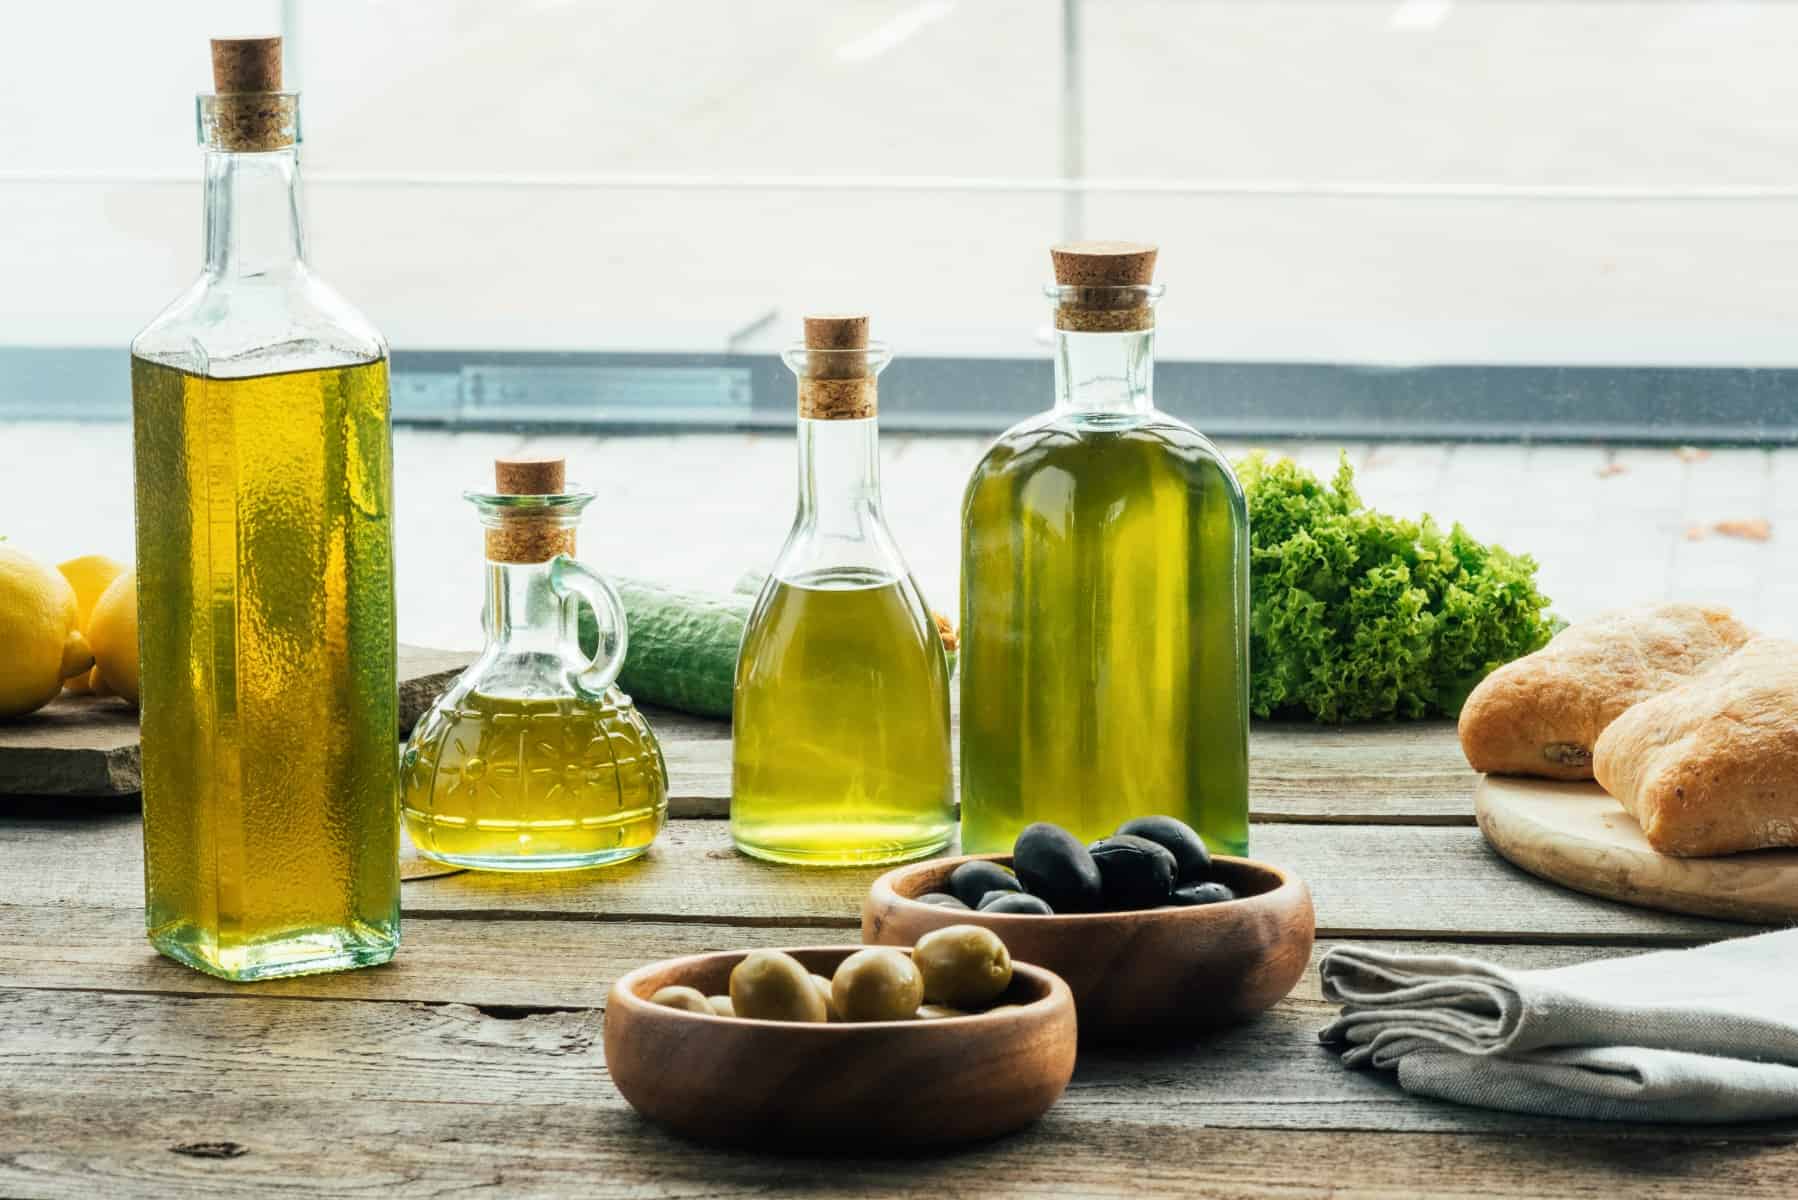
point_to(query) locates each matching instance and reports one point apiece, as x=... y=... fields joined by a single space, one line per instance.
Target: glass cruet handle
x=571 y=580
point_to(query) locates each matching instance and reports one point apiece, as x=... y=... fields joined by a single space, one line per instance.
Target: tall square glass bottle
x=265 y=578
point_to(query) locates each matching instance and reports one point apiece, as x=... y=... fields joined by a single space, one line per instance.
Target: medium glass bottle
x=1104 y=657
x=840 y=744
x=265 y=578
x=532 y=760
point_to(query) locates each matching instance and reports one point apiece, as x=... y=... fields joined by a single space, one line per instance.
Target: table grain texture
x=473 y=1063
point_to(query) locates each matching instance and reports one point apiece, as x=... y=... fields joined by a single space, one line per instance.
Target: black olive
x=943 y=899
x=1016 y=902
x=1053 y=864
x=1188 y=848
x=1138 y=873
x=1202 y=893
x=974 y=879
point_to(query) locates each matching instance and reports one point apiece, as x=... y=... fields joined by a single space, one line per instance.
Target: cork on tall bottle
x=529 y=535
x=838 y=384
x=1107 y=281
x=250 y=112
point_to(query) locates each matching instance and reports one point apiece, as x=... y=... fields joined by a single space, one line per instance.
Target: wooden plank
x=519 y=964
x=424 y=675
x=1397 y=773
x=73 y=746
x=123 y=1146
x=221 y=1053
x=1390 y=881
x=1398 y=881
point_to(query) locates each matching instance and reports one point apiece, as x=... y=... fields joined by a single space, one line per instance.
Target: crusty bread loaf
x=1542 y=714
x=1711 y=767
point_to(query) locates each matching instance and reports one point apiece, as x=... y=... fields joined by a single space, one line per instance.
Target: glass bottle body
x=840 y=727
x=533 y=760
x=1104 y=662
x=265 y=603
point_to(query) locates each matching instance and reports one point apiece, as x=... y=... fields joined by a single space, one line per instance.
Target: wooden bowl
x=1144 y=975
x=878 y=1084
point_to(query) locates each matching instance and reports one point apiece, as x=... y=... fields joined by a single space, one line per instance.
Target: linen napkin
x=1698 y=1036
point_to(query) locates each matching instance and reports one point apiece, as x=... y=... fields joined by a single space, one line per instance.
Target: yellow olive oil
x=510 y=783
x=1104 y=657
x=266 y=629
x=841 y=724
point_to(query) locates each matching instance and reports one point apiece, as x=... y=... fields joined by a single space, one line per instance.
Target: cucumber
x=683 y=651
x=683 y=645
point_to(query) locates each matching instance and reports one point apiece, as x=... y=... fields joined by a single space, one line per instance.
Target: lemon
x=112 y=632
x=89 y=575
x=40 y=639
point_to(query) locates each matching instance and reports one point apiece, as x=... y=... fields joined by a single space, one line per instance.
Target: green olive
x=721 y=1006
x=689 y=999
x=964 y=966
x=936 y=1012
x=769 y=985
x=830 y=1004
x=877 y=984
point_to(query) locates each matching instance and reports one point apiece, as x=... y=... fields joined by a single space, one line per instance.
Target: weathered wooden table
x=474 y=1062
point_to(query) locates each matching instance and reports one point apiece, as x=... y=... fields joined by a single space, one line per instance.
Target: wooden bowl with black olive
x=883 y=1084
x=1140 y=974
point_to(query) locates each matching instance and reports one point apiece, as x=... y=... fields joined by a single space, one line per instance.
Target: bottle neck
x=522 y=614
x=839 y=475
x=253 y=225
x=1105 y=374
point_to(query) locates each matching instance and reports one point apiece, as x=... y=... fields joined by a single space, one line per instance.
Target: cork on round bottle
x=837 y=386
x=1106 y=278
x=250 y=112
x=526 y=535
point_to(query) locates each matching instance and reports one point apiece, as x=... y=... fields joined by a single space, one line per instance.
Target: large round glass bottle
x=840 y=743
x=1104 y=659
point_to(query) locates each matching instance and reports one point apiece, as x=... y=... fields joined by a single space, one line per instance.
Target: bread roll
x=1711 y=767
x=1542 y=714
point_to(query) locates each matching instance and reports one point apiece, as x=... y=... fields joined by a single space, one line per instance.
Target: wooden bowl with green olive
x=1137 y=975
x=810 y=1085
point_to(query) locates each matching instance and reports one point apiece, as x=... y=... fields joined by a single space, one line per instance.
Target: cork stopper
x=838 y=384
x=529 y=476
x=1103 y=264
x=526 y=535
x=1105 y=275
x=249 y=112
x=246 y=65
x=836 y=331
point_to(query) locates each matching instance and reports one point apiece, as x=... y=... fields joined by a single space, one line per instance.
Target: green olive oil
x=1104 y=657
x=842 y=748
x=265 y=611
x=1103 y=666
x=533 y=783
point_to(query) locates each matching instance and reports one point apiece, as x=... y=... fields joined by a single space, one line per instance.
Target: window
x=1436 y=230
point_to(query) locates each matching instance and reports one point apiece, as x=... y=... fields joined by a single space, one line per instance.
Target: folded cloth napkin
x=1701 y=1036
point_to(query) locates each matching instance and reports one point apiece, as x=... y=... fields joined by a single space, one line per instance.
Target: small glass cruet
x=533 y=760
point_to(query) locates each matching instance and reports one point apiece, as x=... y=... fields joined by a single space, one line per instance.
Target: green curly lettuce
x=1360 y=616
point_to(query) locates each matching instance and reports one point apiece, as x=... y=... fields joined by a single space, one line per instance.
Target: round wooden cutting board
x=1575 y=835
